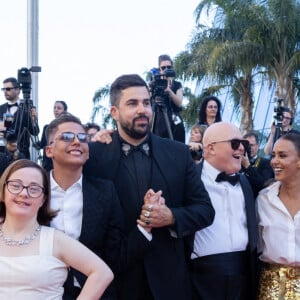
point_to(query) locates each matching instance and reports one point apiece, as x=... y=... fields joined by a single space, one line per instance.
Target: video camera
x=24 y=80
x=278 y=111
x=159 y=82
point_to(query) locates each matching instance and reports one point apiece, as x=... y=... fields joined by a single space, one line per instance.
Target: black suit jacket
x=102 y=230
x=258 y=174
x=173 y=172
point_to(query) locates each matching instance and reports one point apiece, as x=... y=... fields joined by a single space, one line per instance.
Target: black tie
x=233 y=179
x=14 y=104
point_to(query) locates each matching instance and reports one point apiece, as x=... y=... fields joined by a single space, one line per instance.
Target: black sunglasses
x=70 y=137
x=235 y=143
x=166 y=67
x=8 y=89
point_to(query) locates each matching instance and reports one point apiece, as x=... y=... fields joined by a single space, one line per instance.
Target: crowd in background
x=155 y=218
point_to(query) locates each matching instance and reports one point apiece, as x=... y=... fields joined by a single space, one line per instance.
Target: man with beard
x=158 y=176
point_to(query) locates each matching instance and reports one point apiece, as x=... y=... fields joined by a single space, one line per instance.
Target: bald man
x=223 y=255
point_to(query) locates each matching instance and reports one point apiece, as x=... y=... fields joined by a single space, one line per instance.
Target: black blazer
x=173 y=172
x=258 y=174
x=102 y=230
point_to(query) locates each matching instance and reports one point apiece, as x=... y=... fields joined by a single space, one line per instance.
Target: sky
x=84 y=45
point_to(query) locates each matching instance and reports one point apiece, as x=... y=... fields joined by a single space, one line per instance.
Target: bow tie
x=127 y=148
x=14 y=104
x=232 y=179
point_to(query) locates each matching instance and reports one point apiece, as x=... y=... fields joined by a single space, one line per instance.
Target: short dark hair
x=63 y=103
x=13 y=81
x=90 y=125
x=294 y=138
x=63 y=118
x=45 y=214
x=202 y=109
x=250 y=134
x=122 y=83
x=164 y=57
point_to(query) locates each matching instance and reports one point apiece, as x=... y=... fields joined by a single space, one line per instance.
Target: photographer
x=9 y=152
x=17 y=117
x=256 y=168
x=171 y=100
x=195 y=142
x=284 y=121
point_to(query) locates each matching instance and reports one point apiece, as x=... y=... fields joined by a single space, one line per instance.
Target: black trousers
x=224 y=276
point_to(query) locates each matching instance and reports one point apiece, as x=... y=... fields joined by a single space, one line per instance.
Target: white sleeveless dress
x=36 y=277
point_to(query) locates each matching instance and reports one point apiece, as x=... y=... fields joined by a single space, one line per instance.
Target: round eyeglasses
x=15 y=187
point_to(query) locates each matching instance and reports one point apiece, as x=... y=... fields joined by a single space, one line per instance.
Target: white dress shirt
x=70 y=205
x=279 y=232
x=228 y=232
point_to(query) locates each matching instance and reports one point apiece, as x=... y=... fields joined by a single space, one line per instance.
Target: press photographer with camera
x=283 y=120
x=167 y=95
x=8 y=110
x=18 y=117
x=9 y=151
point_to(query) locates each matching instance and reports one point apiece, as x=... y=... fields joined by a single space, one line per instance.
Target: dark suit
x=23 y=126
x=258 y=173
x=214 y=282
x=173 y=171
x=101 y=231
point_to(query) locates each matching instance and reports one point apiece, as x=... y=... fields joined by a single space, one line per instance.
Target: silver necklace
x=11 y=242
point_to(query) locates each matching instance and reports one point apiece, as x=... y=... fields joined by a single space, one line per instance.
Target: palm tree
x=280 y=37
x=224 y=54
x=247 y=39
x=101 y=107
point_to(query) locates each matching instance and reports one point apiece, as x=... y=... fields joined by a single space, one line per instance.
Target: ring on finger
x=150 y=207
x=147 y=214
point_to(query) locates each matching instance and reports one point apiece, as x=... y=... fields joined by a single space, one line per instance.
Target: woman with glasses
x=34 y=258
x=210 y=111
x=278 y=208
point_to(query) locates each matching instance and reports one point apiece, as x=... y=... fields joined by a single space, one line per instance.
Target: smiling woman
x=278 y=208
x=42 y=253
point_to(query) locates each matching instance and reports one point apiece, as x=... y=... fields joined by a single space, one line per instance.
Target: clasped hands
x=155 y=213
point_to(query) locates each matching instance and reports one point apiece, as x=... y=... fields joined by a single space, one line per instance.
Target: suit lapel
x=250 y=212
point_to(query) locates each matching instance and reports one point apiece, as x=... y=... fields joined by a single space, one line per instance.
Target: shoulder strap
x=46 y=240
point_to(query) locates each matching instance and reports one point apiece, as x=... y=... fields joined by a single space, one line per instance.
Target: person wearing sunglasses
x=59 y=108
x=209 y=111
x=172 y=103
x=11 y=92
x=222 y=255
x=35 y=258
x=89 y=209
x=22 y=123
